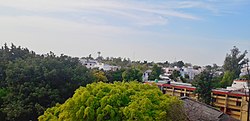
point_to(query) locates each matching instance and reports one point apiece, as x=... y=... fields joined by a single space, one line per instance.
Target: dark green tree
x=156 y=71
x=113 y=76
x=203 y=84
x=232 y=66
x=234 y=62
x=179 y=64
x=30 y=82
x=175 y=75
x=227 y=79
x=132 y=74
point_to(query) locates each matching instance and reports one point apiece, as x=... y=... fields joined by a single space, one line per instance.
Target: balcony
x=234 y=107
x=219 y=97
x=234 y=99
x=219 y=104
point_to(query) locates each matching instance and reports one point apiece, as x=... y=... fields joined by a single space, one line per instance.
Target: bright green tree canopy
x=116 y=102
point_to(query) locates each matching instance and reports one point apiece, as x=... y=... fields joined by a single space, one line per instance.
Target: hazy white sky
x=199 y=32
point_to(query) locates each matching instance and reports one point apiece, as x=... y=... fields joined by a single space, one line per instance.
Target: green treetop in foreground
x=116 y=102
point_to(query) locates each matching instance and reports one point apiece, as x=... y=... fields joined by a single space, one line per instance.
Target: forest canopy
x=30 y=83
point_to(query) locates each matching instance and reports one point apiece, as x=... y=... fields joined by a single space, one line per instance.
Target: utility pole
x=248 y=107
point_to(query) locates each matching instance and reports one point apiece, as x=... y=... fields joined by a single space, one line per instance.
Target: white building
x=239 y=85
x=90 y=64
x=106 y=67
x=190 y=71
x=169 y=70
x=146 y=75
x=244 y=71
x=164 y=77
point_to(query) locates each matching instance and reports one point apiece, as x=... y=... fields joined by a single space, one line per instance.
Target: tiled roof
x=197 y=111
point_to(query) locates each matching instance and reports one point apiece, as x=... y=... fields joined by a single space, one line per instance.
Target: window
x=235 y=110
x=238 y=103
x=187 y=95
x=213 y=99
x=182 y=94
x=235 y=97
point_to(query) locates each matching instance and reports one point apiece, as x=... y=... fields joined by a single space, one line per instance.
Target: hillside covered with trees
x=30 y=83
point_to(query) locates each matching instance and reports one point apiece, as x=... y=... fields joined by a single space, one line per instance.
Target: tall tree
x=234 y=61
x=203 y=84
x=233 y=64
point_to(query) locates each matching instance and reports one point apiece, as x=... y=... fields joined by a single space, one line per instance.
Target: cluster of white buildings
x=190 y=71
x=91 y=64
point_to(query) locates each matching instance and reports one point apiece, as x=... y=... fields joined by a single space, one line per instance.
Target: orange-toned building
x=232 y=101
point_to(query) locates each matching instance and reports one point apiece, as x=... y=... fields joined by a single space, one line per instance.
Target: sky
x=200 y=32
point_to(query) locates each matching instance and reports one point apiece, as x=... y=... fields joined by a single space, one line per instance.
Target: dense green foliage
x=156 y=71
x=175 y=75
x=99 y=76
x=113 y=76
x=204 y=85
x=117 y=102
x=132 y=74
x=179 y=64
x=227 y=79
x=30 y=83
x=233 y=64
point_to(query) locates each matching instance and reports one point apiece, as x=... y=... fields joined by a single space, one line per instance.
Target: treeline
x=30 y=83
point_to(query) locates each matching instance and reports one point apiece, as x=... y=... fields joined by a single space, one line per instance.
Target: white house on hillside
x=90 y=64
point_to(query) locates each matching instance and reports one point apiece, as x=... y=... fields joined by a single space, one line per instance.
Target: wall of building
x=232 y=103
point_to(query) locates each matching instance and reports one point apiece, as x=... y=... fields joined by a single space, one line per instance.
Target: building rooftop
x=197 y=111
